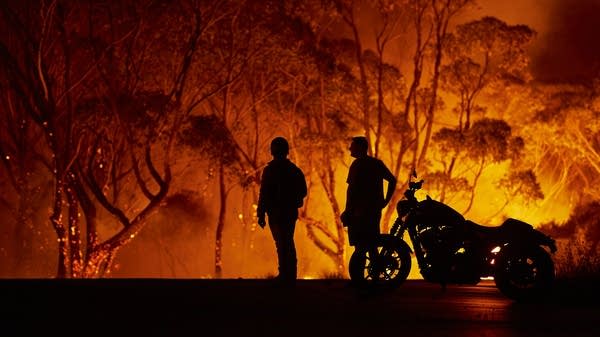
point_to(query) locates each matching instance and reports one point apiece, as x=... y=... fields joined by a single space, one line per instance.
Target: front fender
x=394 y=240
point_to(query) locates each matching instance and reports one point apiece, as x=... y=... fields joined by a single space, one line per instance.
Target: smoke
x=566 y=48
x=169 y=244
x=584 y=220
x=568 y=45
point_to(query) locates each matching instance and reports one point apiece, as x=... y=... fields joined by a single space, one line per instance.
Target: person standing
x=282 y=191
x=364 y=197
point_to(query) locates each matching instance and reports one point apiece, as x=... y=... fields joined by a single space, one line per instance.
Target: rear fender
x=537 y=238
x=522 y=234
x=520 y=247
x=544 y=240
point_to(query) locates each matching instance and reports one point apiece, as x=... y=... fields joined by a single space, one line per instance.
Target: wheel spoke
x=383 y=264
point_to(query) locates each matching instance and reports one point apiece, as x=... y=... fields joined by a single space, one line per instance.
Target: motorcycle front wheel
x=524 y=274
x=387 y=263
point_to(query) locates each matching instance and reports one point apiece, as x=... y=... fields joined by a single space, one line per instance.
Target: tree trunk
x=220 y=223
x=99 y=263
x=61 y=235
x=341 y=240
x=24 y=235
x=391 y=209
x=475 y=180
x=379 y=101
x=364 y=86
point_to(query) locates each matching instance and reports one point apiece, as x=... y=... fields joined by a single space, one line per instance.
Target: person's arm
x=346 y=214
x=349 y=198
x=262 y=207
x=302 y=190
x=350 y=193
x=387 y=175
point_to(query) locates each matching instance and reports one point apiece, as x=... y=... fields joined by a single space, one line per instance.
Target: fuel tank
x=431 y=212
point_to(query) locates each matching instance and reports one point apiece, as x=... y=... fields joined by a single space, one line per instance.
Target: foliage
x=583 y=224
x=494 y=46
x=484 y=55
x=576 y=260
x=439 y=180
x=184 y=214
x=567 y=127
x=523 y=184
x=578 y=240
x=209 y=136
x=487 y=140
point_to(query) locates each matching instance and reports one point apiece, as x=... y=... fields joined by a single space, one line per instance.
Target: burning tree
x=484 y=55
x=108 y=93
x=97 y=96
x=231 y=129
x=25 y=186
x=366 y=83
x=323 y=138
x=567 y=124
x=428 y=30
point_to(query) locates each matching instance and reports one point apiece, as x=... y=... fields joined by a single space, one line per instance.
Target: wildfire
x=164 y=155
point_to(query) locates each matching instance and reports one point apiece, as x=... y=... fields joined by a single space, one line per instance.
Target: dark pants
x=282 y=229
x=363 y=229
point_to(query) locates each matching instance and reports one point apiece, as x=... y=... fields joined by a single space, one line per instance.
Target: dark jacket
x=282 y=189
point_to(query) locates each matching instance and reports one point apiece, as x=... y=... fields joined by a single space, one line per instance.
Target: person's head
x=359 y=147
x=279 y=147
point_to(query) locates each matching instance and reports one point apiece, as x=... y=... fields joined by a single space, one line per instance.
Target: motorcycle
x=452 y=250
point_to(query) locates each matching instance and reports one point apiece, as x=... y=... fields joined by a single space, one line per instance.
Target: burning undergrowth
x=578 y=256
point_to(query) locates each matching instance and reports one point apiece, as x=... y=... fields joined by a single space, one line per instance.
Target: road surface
x=148 y=307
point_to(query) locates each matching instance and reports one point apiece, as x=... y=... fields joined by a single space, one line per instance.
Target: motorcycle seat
x=480 y=229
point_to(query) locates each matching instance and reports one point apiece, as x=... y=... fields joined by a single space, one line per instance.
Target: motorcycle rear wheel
x=389 y=265
x=524 y=274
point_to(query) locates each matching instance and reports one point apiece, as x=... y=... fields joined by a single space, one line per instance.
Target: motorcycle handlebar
x=416 y=185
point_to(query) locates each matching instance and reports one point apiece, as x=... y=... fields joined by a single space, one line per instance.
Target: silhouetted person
x=282 y=191
x=364 y=198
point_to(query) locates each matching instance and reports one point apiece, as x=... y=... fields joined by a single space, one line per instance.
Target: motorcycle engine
x=445 y=252
x=439 y=237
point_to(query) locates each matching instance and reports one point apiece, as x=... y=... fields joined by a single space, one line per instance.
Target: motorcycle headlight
x=403 y=207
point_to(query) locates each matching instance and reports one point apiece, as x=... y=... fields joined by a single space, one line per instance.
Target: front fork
x=398 y=229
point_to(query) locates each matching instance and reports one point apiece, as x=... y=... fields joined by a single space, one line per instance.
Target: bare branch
x=319 y=243
x=148 y=159
x=91 y=182
x=140 y=180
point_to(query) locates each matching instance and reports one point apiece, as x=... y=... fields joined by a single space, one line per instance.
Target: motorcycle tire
x=524 y=273
x=390 y=267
